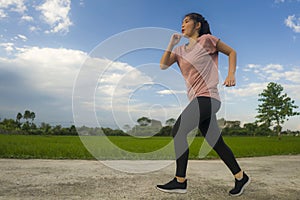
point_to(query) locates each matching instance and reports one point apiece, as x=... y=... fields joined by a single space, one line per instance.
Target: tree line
x=274 y=110
x=24 y=124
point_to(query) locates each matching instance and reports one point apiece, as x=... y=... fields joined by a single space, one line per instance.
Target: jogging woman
x=198 y=62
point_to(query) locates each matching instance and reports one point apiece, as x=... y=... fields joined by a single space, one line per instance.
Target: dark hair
x=199 y=18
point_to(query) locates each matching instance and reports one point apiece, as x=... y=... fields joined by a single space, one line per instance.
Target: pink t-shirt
x=199 y=67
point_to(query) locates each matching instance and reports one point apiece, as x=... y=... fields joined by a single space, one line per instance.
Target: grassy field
x=72 y=147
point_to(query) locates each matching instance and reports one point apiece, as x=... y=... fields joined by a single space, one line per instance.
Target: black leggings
x=201 y=113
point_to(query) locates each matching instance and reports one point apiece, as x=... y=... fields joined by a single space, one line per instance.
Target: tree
x=26 y=127
x=144 y=121
x=9 y=124
x=73 y=130
x=275 y=108
x=127 y=128
x=32 y=116
x=45 y=127
x=251 y=128
x=170 y=122
x=263 y=129
x=27 y=115
x=56 y=130
x=165 y=131
x=18 y=119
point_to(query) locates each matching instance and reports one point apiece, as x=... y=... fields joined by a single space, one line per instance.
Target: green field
x=71 y=147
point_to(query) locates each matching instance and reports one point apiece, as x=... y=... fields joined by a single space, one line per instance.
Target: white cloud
x=292 y=91
x=131 y=92
x=245 y=78
x=293 y=75
x=52 y=72
x=118 y=81
x=7 y=6
x=250 y=90
x=33 y=28
x=167 y=92
x=81 y=3
x=273 y=67
x=22 y=37
x=126 y=88
x=40 y=79
x=13 y=5
x=293 y=23
x=253 y=89
x=250 y=67
x=27 y=18
x=285 y=1
x=2 y=14
x=8 y=47
x=18 y=6
x=56 y=14
x=274 y=72
x=49 y=70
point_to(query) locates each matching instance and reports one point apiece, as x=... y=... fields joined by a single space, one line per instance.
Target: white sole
x=242 y=190
x=178 y=191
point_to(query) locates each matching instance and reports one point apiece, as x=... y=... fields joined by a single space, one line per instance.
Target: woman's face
x=189 y=28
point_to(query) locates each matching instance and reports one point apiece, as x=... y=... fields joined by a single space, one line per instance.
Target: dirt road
x=275 y=177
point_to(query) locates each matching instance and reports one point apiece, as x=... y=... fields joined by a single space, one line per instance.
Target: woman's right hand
x=168 y=57
x=175 y=39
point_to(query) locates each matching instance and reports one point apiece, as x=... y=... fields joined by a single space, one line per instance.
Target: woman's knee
x=219 y=145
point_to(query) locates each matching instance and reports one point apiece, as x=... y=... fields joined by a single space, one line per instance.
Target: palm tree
x=27 y=115
x=18 y=119
x=32 y=116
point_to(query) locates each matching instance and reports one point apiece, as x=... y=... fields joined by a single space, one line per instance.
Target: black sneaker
x=173 y=187
x=240 y=185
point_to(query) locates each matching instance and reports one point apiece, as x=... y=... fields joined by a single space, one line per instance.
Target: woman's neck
x=192 y=41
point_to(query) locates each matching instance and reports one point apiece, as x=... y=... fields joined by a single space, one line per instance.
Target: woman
x=198 y=62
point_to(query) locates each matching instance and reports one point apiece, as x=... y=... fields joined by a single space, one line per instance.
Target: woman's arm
x=231 y=53
x=168 y=58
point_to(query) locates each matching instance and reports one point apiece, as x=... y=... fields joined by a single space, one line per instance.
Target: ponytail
x=204 y=24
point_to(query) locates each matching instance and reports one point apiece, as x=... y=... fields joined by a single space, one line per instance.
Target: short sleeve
x=176 y=52
x=210 y=43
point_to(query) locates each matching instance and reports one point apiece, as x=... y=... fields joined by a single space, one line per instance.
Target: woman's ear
x=198 y=26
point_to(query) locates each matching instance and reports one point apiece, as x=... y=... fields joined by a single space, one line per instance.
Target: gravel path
x=274 y=177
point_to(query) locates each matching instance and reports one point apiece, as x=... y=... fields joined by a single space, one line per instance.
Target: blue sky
x=45 y=44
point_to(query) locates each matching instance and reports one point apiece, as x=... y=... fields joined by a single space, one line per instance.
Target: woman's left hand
x=229 y=81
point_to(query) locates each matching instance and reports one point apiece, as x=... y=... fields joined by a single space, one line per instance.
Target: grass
x=74 y=147
x=48 y=147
